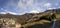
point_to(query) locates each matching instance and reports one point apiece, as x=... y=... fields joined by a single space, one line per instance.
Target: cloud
x=12 y=13
x=8 y=12
x=29 y=5
x=25 y=4
x=2 y=13
x=11 y=5
x=34 y=11
x=47 y=4
x=51 y=8
x=2 y=9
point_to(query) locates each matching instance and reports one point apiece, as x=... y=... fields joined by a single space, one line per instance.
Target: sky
x=27 y=6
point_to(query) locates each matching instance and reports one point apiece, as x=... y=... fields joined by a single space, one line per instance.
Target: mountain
x=46 y=17
x=31 y=19
x=20 y=18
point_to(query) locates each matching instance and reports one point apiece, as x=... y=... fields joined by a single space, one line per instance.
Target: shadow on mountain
x=47 y=25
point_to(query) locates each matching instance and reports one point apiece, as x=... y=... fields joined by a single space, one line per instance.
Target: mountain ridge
x=34 y=18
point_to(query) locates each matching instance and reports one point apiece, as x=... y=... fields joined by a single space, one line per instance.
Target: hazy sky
x=23 y=6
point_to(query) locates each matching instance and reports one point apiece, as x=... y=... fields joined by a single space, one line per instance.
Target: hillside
x=29 y=20
x=43 y=18
x=20 y=18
